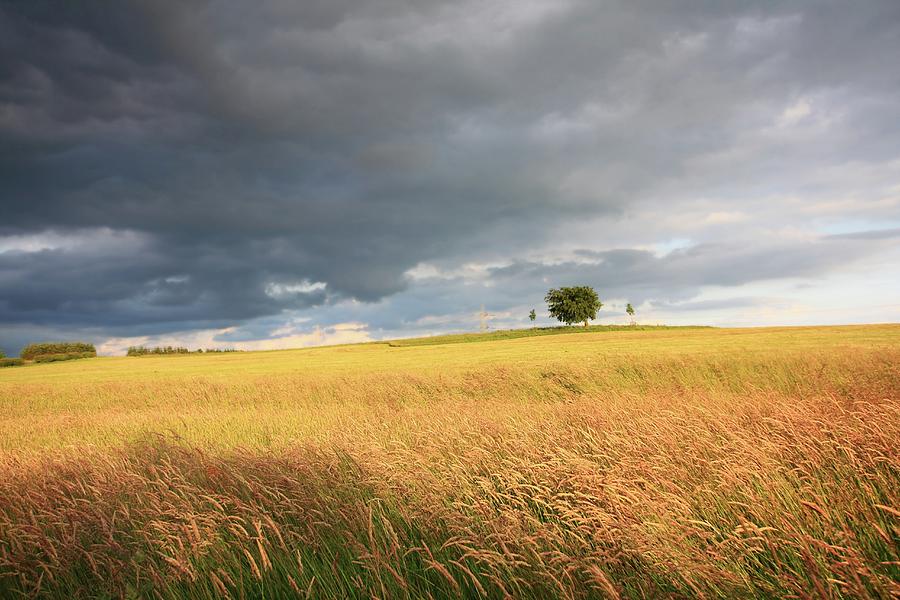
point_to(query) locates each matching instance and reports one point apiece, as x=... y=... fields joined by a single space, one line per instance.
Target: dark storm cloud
x=234 y=148
x=129 y=281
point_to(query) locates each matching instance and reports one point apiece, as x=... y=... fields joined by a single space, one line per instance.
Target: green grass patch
x=512 y=334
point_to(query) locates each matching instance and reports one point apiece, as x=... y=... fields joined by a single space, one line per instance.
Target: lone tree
x=630 y=310
x=573 y=304
x=532 y=315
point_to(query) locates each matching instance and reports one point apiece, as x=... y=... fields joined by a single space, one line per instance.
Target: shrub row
x=11 y=362
x=45 y=358
x=141 y=350
x=144 y=351
x=32 y=351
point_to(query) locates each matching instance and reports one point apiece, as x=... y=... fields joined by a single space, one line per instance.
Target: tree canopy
x=31 y=351
x=573 y=304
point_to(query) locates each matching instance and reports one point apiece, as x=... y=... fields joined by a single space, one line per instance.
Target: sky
x=286 y=173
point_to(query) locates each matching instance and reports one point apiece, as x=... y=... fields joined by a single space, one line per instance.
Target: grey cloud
x=640 y=275
x=670 y=282
x=872 y=234
x=133 y=282
x=706 y=305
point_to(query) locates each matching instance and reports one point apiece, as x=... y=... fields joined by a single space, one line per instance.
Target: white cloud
x=795 y=112
x=96 y=239
x=339 y=333
x=277 y=290
x=468 y=272
x=725 y=216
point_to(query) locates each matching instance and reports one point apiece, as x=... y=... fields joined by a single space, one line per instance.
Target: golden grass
x=722 y=463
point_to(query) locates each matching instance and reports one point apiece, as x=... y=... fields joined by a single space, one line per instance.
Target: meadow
x=632 y=463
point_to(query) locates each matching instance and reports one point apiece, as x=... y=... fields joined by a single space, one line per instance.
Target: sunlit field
x=647 y=463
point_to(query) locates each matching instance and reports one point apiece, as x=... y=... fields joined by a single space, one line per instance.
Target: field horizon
x=635 y=462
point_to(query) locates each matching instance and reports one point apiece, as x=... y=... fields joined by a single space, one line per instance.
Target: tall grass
x=768 y=474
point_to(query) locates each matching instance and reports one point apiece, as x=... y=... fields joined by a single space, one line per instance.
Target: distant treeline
x=70 y=349
x=50 y=352
x=158 y=350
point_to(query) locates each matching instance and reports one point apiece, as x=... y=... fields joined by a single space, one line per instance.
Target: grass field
x=636 y=463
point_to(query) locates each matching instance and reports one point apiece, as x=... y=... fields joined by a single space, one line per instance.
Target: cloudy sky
x=284 y=173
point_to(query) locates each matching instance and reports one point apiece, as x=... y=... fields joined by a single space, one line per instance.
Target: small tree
x=630 y=310
x=573 y=304
x=532 y=315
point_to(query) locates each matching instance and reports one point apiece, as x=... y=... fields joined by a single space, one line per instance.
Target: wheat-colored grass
x=671 y=463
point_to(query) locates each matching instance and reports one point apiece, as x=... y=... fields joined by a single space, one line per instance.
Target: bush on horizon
x=31 y=351
x=46 y=358
x=161 y=350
